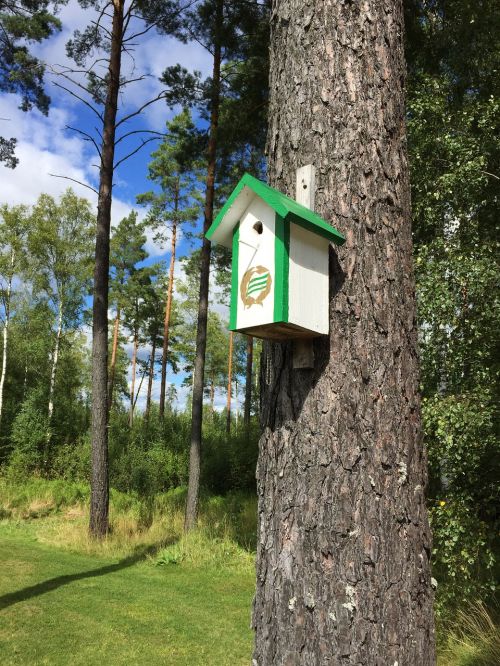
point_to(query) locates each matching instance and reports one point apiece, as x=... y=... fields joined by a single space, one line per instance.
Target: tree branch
x=74 y=180
x=84 y=101
x=136 y=150
x=88 y=137
x=124 y=136
x=140 y=109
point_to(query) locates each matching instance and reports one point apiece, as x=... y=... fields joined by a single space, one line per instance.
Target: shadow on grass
x=53 y=583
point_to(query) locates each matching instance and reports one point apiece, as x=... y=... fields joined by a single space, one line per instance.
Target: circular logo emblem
x=255 y=286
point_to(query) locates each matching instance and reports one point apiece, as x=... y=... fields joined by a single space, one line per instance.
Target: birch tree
x=59 y=241
x=13 y=231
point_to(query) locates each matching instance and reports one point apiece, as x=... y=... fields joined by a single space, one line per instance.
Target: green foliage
x=153 y=456
x=243 y=37
x=60 y=247
x=23 y=23
x=29 y=438
x=175 y=171
x=464 y=471
x=453 y=130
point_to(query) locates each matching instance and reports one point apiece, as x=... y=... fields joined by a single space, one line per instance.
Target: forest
x=130 y=415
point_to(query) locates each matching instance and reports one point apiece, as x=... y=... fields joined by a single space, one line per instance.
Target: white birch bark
x=6 y=331
x=55 y=360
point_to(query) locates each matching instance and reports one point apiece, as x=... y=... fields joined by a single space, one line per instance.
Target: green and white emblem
x=255 y=286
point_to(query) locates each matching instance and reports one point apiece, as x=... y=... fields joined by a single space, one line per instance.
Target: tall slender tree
x=224 y=28
x=174 y=169
x=115 y=30
x=344 y=545
x=248 y=383
x=59 y=242
x=14 y=224
x=127 y=250
x=136 y=307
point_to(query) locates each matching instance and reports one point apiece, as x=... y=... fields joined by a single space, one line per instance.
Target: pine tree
x=173 y=168
x=114 y=31
x=22 y=23
x=343 y=571
x=127 y=250
x=224 y=29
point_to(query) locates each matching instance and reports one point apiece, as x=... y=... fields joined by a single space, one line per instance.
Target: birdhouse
x=280 y=284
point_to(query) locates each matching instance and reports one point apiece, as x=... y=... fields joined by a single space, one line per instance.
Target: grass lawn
x=59 y=607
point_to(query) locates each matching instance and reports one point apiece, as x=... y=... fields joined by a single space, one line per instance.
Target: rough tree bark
x=168 y=305
x=344 y=543
x=114 y=351
x=229 y=383
x=99 y=498
x=248 y=383
x=201 y=332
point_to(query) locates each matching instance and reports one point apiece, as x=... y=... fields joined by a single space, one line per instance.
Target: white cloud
x=44 y=148
x=150 y=57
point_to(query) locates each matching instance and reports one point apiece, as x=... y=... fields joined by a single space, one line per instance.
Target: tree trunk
x=201 y=333
x=99 y=499
x=6 y=332
x=229 y=383
x=132 y=381
x=248 y=383
x=114 y=351
x=55 y=359
x=212 y=396
x=151 y=377
x=144 y=373
x=168 y=306
x=343 y=551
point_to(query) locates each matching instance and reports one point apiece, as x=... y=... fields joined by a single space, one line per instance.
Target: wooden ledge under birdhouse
x=279 y=285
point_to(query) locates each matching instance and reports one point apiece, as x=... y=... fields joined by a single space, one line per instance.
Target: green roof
x=288 y=209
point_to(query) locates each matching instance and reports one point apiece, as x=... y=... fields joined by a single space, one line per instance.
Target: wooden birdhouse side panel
x=308 y=280
x=253 y=280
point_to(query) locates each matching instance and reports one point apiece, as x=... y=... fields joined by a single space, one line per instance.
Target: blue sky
x=46 y=147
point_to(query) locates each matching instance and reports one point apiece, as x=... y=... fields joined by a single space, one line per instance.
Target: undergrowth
x=472 y=640
x=225 y=535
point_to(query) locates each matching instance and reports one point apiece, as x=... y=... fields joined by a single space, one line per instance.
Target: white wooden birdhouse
x=280 y=283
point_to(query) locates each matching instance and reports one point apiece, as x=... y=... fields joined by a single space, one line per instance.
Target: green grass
x=145 y=595
x=472 y=639
x=61 y=607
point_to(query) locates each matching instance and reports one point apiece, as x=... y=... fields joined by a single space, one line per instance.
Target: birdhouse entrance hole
x=258 y=227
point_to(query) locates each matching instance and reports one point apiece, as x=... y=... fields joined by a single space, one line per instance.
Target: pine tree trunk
x=99 y=499
x=55 y=359
x=132 y=381
x=248 y=383
x=151 y=378
x=114 y=351
x=6 y=332
x=344 y=543
x=168 y=310
x=229 y=383
x=201 y=332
